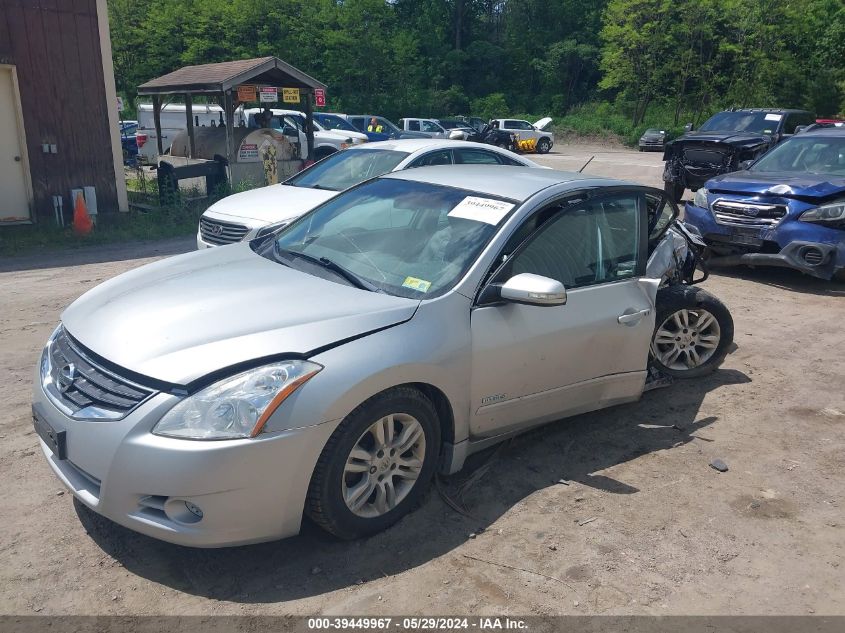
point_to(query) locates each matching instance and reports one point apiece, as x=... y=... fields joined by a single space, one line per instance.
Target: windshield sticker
x=416 y=284
x=773 y=117
x=481 y=210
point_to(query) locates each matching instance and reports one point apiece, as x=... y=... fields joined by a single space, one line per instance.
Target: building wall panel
x=55 y=47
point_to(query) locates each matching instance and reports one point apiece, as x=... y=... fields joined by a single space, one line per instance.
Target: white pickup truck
x=172 y=122
x=429 y=127
x=524 y=130
x=325 y=141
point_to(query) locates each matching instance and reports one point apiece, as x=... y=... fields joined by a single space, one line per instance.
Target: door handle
x=632 y=318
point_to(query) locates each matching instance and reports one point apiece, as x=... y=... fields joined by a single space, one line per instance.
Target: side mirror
x=745 y=164
x=800 y=128
x=456 y=135
x=289 y=130
x=688 y=127
x=534 y=290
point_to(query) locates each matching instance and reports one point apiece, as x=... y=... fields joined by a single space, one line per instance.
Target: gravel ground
x=644 y=525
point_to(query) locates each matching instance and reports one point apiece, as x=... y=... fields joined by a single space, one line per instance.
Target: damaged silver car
x=330 y=369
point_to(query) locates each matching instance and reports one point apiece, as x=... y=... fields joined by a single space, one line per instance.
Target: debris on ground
x=719 y=465
x=585 y=521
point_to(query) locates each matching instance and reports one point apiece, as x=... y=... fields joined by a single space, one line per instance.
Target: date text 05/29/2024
x=417 y=623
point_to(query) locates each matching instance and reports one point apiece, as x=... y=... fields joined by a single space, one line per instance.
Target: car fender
x=421 y=350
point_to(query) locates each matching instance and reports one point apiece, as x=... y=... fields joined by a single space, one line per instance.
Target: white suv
x=524 y=130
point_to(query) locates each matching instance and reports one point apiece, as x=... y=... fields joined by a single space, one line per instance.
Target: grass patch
x=147 y=222
x=113 y=227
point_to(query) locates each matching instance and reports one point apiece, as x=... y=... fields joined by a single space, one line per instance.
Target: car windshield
x=344 y=169
x=654 y=131
x=331 y=122
x=814 y=154
x=450 y=125
x=756 y=122
x=405 y=238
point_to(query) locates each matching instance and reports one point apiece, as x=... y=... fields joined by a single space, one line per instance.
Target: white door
x=14 y=200
x=533 y=363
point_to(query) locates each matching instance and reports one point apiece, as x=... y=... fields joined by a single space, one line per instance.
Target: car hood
x=735 y=139
x=182 y=318
x=543 y=123
x=270 y=204
x=786 y=184
x=339 y=134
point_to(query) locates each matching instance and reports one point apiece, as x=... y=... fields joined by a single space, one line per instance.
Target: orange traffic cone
x=82 y=223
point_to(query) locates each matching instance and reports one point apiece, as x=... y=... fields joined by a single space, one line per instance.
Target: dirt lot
x=644 y=526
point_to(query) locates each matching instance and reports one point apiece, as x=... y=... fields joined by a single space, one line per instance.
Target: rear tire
x=674 y=191
x=366 y=478
x=693 y=332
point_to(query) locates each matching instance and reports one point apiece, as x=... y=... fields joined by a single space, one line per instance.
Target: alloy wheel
x=686 y=339
x=384 y=465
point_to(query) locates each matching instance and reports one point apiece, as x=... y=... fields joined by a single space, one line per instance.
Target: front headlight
x=236 y=407
x=832 y=213
x=271 y=228
x=700 y=198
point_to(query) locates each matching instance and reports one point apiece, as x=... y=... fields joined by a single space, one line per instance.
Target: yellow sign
x=246 y=94
x=290 y=95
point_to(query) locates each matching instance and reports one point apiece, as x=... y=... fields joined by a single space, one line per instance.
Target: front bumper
x=809 y=248
x=248 y=490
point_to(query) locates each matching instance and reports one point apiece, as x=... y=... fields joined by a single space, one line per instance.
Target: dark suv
x=723 y=142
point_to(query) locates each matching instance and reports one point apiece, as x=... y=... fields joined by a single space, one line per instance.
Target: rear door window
x=440 y=157
x=478 y=157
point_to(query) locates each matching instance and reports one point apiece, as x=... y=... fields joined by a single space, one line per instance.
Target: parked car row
x=769 y=188
x=784 y=209
x=332 y=132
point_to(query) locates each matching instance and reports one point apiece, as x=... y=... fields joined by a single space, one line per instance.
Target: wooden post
x=229 y=112
x=157 y=122
x=189 y=114
x=309 y=121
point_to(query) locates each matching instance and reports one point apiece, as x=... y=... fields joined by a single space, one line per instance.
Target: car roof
x=412 y=145
x=822 y=131
x=520 y=184
x=780 y=110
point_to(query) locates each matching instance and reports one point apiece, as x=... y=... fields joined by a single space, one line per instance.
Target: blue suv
x=785 y=209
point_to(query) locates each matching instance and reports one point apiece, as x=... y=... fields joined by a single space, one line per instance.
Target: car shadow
x=313 y=563
x=784 y=279
x=102 y=253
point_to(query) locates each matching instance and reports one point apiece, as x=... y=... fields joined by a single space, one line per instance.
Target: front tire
x=377 y=464
x=693 y=332
x=543 y=146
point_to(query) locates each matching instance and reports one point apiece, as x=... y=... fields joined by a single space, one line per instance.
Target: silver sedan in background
x=214 y=398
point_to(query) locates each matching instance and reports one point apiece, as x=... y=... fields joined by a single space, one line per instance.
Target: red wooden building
x=59 y=126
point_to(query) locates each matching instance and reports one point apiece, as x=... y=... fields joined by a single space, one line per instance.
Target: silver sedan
x=332 y=368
